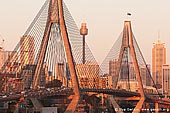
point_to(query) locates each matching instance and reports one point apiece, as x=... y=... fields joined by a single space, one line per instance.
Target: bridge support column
x=147 y=107
x=72 y=106
x=36 y=103
x=16 y=109
x=156 y=107
x=115 y=105
x=129 y=38
x=139 y=105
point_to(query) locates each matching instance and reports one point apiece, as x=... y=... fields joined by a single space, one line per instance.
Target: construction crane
x=2 y=43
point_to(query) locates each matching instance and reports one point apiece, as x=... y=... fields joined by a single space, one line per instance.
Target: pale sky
x=104 y=20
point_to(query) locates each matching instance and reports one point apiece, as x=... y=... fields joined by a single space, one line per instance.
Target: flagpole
x=128 y=15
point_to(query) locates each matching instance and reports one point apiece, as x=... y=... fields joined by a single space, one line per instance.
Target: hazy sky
x=104 y=20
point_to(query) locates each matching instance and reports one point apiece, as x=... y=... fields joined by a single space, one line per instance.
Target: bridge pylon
x=127 y=48
x=55 y=15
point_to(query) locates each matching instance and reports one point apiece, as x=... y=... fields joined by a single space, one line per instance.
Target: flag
x=129 y=14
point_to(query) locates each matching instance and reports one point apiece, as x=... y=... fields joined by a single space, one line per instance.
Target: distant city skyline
x=104 y=20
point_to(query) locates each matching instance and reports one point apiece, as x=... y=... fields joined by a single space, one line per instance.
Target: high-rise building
x=132 y=73
x=145 y=75
x=112 y=68
x=60 y=73
x=158 y=59
x=27 y=76
x=109 y=81
x=88 y=74
x=10 y=59
x=4 y=55
x=166 y=79
x=148 y=75
x=127 y=70
x=27 y=50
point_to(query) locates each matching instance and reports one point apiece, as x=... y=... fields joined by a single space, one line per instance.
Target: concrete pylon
x=127 y=44
x=55 y=15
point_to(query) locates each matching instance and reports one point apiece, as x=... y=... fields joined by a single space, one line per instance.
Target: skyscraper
x=27 y=50
x=112 y=67
x=145 y=75
x=60 y=73
x=88 y=74
x=158 y=59
x=166 y=79
x=148 y=75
